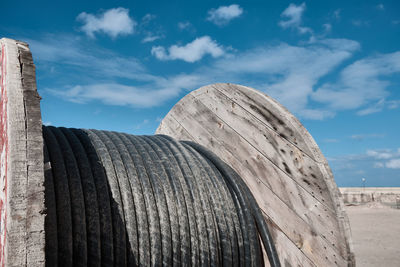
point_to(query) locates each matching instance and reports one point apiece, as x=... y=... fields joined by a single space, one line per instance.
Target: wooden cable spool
x=279 y=161
x=265 y=144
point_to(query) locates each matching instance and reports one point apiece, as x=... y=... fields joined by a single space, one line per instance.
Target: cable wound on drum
x=125 y=200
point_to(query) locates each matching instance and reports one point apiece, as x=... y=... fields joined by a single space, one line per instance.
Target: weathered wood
x=274 y=207
x=24 y=190
x=284 y=169
x=301 y=137
x=281 y=153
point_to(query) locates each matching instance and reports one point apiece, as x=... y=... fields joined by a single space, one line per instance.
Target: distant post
x=363 y=181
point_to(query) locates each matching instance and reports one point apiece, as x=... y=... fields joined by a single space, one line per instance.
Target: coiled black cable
x=115 y=199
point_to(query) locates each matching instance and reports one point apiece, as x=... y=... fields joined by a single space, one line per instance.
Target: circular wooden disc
x=21 y=145
x=279 y=161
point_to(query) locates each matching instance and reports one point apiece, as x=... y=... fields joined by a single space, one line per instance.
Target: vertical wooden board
x=24 y=207
x=15 y=250
x=230 y=130
x=4 y=156
x=35 y=169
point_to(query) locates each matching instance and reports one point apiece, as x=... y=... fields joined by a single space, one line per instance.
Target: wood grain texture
x=279 y=161
x=25 y=240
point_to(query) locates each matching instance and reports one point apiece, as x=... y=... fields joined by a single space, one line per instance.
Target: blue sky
x=122 y=65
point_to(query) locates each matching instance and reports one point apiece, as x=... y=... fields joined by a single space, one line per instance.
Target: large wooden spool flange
x=279 y=161
x=22 y=208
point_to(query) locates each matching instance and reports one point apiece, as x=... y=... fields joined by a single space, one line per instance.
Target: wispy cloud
x=147 y=18
x=330 y=140
x=151 y=38
x=382 y=154
x=185 y=25
x=289 y=73
x=361 y=137
x=393 y=104
x=327 y=27
x=336 y=14
x=150 y=29
x=224 y=14
x=380 y=7
x=293 y=18
x=148 y=95
x=389 y=158
x=360 y=22
x=380 y=158
x=143 y=123
x=113 y=22
x=374 y=108
x=393 y=164
x=360 y=83
x=190 y=52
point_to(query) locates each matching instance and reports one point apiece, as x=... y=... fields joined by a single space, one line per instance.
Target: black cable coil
x=115 y=199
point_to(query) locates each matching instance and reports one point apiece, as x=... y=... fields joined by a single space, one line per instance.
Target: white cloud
x=366 y=136
x=147 y=18
x=380 y=154
x=186 y=25
x=143 y=123
x=331 y=140
x=360 y=83
x=224 y=14
x=149 y=29
x=115 y=94
x=336 y=14
x=151 y=38
x=72 y=52
x=393 y=104
x=374 y=108
x=292 y=74
x=327 y=27
x=359 y=22
x=380 y=7
x=390 y=158
x=113 y=22
x=378 y=165
x=293 y=15
x=393 y=164
x=190 y=52
x=288 y=73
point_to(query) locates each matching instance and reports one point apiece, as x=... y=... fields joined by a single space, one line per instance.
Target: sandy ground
x=376 y=235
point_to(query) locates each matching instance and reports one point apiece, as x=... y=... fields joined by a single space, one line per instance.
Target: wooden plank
x=266 y=110
x=288 y=254
x=297 y=229
x=15 y=247
x=283 y=154
x=35 y=215
x=24 y=208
